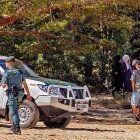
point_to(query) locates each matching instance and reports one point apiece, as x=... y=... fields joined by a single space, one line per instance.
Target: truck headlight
x=55 y=91
x=43 y=87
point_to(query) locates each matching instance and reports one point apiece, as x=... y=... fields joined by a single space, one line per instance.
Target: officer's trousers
x=13 y=110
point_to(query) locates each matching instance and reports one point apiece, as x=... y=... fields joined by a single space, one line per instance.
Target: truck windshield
x=25 y=69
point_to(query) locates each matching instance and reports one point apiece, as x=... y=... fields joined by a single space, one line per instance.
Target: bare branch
x=35 y=33
x=8 y=20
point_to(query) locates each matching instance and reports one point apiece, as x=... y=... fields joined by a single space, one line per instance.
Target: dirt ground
x=99 y=124
x=75 y=131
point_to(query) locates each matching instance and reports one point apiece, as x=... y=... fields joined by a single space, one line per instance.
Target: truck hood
x=51 y=81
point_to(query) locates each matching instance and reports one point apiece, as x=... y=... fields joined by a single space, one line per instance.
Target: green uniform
x=13 y=77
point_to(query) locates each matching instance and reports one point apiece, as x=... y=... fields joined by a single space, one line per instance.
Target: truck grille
x=70 y=91
x=78 y=93
x=63 y=92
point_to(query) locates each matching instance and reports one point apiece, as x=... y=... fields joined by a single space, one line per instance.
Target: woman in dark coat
x=117 y=74
x=127 y=72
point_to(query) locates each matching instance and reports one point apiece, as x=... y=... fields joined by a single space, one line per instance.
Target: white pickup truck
x=53 y=101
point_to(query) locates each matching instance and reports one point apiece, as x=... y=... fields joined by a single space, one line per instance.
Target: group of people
x=126 y=76
x=121 y=74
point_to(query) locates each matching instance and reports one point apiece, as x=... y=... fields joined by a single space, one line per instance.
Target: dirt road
x=75 y=131
x=99 y=124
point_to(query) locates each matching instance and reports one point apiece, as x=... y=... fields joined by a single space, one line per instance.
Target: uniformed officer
x=13 y=79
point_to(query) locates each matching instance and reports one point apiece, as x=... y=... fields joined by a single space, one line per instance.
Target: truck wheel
x=58 y=124
x=29 y=114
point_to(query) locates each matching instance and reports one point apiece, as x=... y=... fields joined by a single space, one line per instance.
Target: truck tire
x=58 y=124
x=29 y=114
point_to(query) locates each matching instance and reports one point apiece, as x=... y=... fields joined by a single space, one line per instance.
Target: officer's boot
x=16 y=129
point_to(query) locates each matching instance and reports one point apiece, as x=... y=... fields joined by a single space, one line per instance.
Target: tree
x=68 y=39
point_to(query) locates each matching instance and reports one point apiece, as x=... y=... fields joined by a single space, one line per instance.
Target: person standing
x=127 y=72
x=12 y=80
x=135 y=99
x=117 y=75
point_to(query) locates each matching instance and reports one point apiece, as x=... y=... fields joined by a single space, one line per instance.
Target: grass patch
x=121 y=101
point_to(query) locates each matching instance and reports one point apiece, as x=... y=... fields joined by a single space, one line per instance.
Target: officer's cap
x=10 y=58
